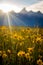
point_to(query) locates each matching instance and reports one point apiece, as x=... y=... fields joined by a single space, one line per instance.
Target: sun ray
x=17 y=20
x=9 y=22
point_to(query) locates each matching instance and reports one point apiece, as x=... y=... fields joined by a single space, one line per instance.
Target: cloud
x=21 y=2
x=33 y=4
x=36 y=7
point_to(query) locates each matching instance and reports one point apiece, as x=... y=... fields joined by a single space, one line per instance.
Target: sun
x=5 y=7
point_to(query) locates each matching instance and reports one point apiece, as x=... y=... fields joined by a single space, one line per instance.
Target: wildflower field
x=21 y=45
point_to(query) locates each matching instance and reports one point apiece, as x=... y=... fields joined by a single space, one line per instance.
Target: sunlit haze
x=17 y=7
x=5 y=7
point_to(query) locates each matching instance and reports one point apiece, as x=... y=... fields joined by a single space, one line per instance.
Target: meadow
x=21 y=45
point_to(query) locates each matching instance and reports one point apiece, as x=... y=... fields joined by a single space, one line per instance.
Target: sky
x=29 y=4
x=21 y=2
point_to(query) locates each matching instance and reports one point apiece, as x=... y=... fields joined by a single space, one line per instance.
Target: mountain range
x=23 y=18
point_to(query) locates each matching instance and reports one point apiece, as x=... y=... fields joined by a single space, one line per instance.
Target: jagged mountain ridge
x=23 y=18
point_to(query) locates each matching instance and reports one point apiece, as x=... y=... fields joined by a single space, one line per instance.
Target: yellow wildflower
x=4 y=55
x=0 y=53
x=9 y=51
x=38 y=39
x=30 y=49
x=39 y=62
x=27 y=55
x=21 y=53
x=19 y=37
